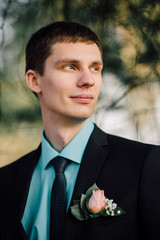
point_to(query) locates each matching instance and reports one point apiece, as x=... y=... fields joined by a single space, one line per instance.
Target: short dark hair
x=40 y=43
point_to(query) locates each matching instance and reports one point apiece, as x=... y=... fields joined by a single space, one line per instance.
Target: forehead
x=78 y=50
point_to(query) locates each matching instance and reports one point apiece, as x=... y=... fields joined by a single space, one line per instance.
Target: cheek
x=50 y=85
x=98 y=86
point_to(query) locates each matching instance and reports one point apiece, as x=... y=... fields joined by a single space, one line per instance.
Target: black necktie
x=58 y=204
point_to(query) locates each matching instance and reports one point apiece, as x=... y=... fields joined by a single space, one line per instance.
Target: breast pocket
x=105 y=220
x=111 y=228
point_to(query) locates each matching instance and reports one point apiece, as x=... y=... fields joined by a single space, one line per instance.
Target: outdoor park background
x=129 y=103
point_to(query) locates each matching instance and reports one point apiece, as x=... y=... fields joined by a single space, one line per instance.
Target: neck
x=60 y=133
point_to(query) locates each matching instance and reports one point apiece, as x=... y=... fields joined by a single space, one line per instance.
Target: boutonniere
x=95 y=204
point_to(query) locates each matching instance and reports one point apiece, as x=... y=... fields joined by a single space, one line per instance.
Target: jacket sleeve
x=149 y=196
x=7 y=183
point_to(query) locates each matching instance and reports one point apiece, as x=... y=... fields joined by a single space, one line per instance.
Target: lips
x=83 y=98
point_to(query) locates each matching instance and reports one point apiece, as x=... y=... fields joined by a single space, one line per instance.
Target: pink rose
x=97 y=201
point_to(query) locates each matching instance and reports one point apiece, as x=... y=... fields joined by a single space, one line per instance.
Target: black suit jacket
x=127 y=171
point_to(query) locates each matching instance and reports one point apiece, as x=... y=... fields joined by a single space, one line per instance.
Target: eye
x=95 y=68
x=69 y=67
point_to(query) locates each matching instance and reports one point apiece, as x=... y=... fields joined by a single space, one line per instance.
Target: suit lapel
x=91 y=164
x=23 y=179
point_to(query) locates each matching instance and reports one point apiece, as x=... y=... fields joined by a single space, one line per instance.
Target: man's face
x=71 y=81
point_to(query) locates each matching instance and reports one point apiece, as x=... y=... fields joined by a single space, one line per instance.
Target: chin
x=82 y=116
x=80 y=113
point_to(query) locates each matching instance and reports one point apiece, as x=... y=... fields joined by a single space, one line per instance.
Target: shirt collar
x=74 y=149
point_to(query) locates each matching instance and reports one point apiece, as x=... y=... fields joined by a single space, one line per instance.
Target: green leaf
x=91 y=189
x=76 y=211
x=119 y=211
x=83 y=206
x=82 y=201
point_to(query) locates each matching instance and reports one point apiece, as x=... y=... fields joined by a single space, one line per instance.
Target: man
x=63 y=68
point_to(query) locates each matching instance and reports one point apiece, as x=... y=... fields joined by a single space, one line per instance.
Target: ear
x=32 y=81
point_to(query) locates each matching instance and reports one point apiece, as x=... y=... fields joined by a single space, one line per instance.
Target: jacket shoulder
x=126 y=150
x=9 y=173
x=12 y=174
x=113 y=140
x=15 y=164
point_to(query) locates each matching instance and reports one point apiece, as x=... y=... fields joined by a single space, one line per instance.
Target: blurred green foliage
x=129 y=31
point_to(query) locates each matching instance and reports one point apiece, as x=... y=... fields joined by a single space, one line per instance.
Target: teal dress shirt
x=36 y=217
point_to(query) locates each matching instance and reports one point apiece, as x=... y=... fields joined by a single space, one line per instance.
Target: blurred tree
x=129 y=31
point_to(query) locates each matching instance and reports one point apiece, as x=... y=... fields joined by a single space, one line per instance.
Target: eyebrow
x=69 y=60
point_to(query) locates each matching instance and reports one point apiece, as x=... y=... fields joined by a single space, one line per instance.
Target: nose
x=86 y=79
